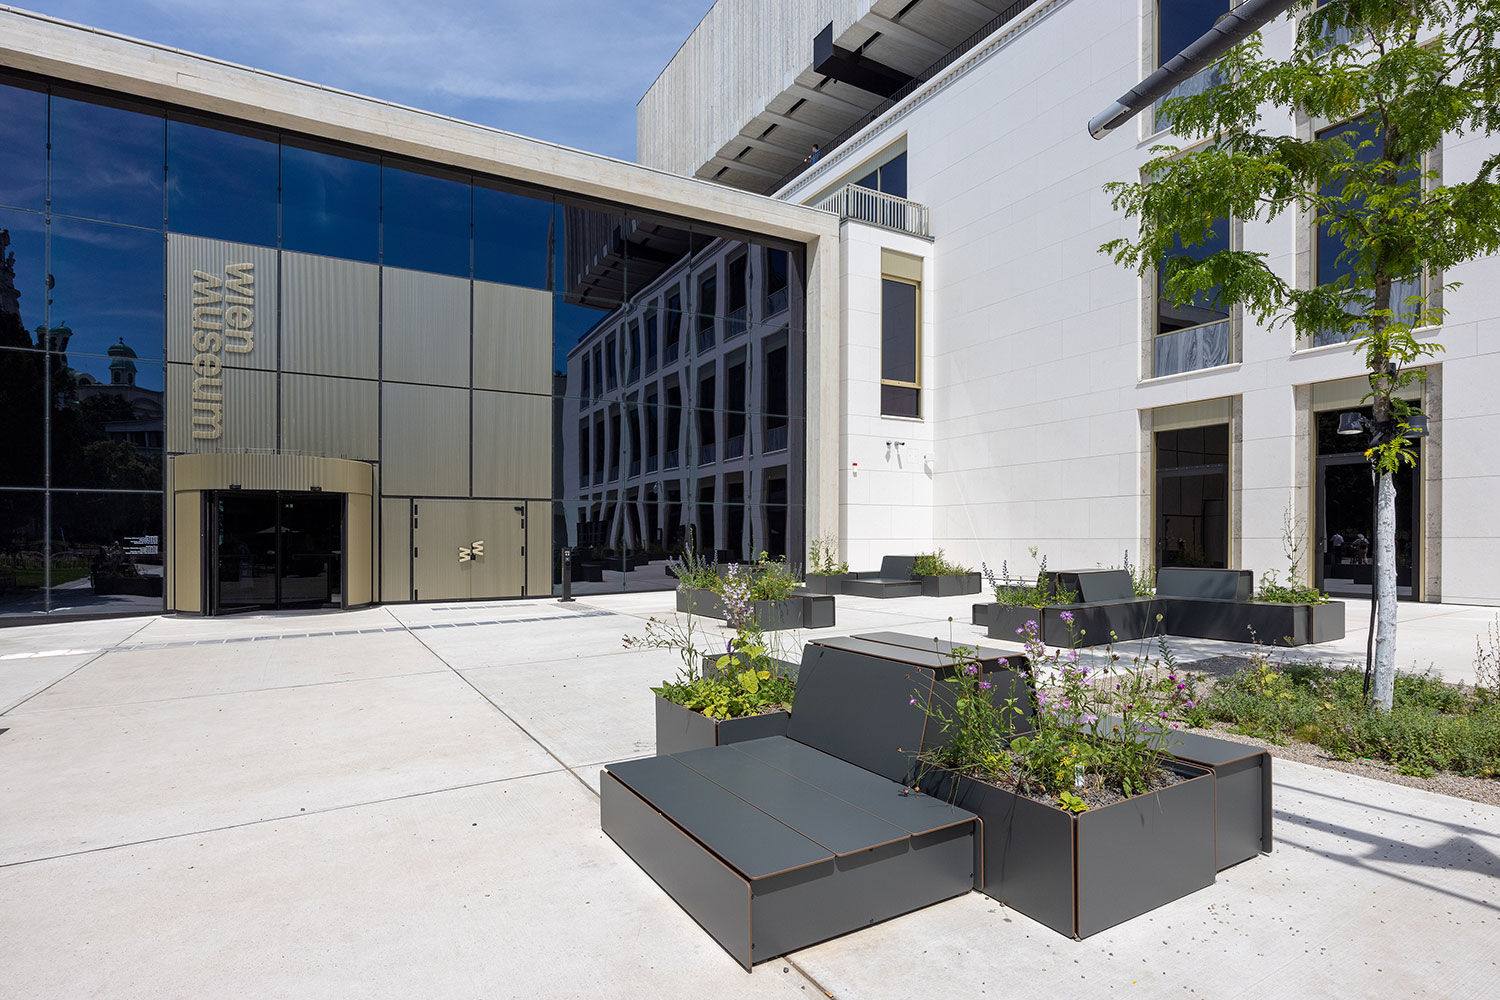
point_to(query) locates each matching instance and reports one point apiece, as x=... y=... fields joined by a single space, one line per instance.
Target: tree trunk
x=1385 y=590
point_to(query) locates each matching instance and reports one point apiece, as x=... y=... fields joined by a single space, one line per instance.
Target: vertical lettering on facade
x=223 y=320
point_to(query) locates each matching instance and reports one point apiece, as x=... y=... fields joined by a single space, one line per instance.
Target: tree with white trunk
x=1343 y=132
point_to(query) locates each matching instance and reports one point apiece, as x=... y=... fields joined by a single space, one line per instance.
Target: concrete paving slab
x=1374 y=890
x=506 y=890
x=69 y=636
x=125 y=676
x=22 y=679
x=169 y=628
x=95 y=777
x=550 y=641
x=590 y=710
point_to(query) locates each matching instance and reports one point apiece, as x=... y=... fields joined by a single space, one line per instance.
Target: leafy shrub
x=933 y=564
x=772 y=579
x=822 y=557
x=1274 y=591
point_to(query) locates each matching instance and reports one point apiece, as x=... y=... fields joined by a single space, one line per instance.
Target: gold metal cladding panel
x=501 y=570
x=538 y=548
x=330 y=416
x=426 y=440
x=330 y=316
x=221 y=304
x=235 y=412
x=395 y=550
x=439 y=529
x=359 y=540
x=271 y=472
x=512 y=338
x=512 y=444
x=187 y=551
x=425 y=328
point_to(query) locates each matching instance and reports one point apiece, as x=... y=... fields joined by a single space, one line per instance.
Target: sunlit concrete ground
x=401 y=802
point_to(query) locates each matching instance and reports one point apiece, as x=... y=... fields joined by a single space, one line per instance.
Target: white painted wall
x=1034 y=386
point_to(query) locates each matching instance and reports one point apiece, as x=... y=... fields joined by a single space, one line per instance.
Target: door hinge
x=414 y=551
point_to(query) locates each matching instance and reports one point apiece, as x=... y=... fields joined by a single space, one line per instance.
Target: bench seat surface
x=753 y=843
x=915 y=813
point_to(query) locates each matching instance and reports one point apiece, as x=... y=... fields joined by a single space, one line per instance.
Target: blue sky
x=568 y=71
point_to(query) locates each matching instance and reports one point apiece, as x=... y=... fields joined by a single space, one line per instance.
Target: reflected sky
x=511 y=236
x=330 y=204
x=108 y=284
x=426 y=222
x=23 y=148
x=107 y=163
x=221 y=184
x=21 y=316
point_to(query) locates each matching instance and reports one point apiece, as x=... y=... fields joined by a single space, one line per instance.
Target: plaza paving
x=401 y=802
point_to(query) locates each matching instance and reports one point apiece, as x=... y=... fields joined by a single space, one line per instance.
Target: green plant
x=822 y=557
x=772 y=579
x=693 y=572
x=1142 y=577
x=1294 y=591
x=933 y=564
x=1016 y=593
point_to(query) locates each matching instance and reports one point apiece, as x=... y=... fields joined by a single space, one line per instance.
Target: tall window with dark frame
x=634 y=364
x=708 y=305
x=1179 y=23
x=1194 y=334
x=737 y=313
x=1192 y=497
x=900 y=348
x=651 y=339
x=888 y=178
x=778 y=264
x=1334 y=261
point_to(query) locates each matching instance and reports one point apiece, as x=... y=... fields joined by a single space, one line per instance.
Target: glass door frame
x=210 y=551
x=1320 y=502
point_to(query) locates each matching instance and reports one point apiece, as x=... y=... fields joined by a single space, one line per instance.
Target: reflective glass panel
x=1179 y=23
x=571 y=323
x=106 y=553
x=330 y=204
x=23 y=562
x=512 y=236
x=107 y=422
x=23 y=277
x=426 y=221
x=898 y=331
x=107 y=289
x=23 y=147
x=107 y=163
x=221 y=184
x=1204 y=307
x=23 y=411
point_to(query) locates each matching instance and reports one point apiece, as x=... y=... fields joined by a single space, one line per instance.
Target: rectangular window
x=583 y=392
x=634 y=363
x=611 y=368
x=737 y=316
x=778 y=263
x=1192 y=497
x=1179 y=23
x=888 y=178
x=900 y=348
x=674 y=326
x=708 y=303
x=651 y=343
x=1195 y=334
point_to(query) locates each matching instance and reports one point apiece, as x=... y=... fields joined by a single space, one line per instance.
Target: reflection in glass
x=1192 y=497
x=107 y=163
x=330 y=204
x=107 y=288
x=23 y=411
x=23 y=562
x=221 y=184
x=23 y=278
x=23 y=147
x=106 y=553
x=426 y=221
x=513 y=236
x=571 y=324
x=107 y=423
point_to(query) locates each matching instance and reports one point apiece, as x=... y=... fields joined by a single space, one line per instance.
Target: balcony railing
x=1401 y=290
x=776 y=302
x=737 y=322
x=877 y=208
x=614 y=473
x=669 y=355
x=635 y=467
x=583 y=478
x=706 y=454
x=706 y=338
x=776 y=438
x=734 y=447
x=674 y=460
x=651 y=461
x=1190 y=350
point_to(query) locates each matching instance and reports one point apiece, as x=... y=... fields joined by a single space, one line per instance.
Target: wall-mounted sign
x=223 y=320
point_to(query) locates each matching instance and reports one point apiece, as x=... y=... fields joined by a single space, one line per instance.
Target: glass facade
x=173 y=284
x=1192 y=497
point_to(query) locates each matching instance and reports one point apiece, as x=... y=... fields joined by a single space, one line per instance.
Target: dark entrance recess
x=1346 y=515
x=1192 y=497
x=274 y=550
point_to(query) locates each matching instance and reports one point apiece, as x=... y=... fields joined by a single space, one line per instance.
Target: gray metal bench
x=778 y=843
x=1106 y=606
x=1219 y=604
x=893 y=579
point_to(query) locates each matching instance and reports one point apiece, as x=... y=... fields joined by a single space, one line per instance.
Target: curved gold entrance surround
x=188 y=476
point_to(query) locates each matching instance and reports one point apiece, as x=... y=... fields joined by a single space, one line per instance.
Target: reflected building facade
x=248 y=368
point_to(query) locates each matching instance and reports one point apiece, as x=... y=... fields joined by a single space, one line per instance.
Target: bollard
x=567 y=580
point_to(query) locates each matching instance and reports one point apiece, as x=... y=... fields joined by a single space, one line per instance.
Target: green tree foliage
x=1404 y=75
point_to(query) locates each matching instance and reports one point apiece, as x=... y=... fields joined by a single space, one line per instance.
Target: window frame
x=916 y=346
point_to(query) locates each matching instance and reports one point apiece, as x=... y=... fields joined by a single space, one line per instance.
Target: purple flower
x=1181 y=686
x=913 y=701
x=1188 y=704
x=1067 y=617
x=985 y=685
x=971 y=670
x=1089 y=718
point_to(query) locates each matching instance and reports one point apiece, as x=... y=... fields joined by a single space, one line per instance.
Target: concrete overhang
x=47 y=46
x=753 y=140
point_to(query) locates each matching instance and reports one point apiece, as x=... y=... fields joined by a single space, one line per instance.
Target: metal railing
x=706 y=454
x=706 y=338
x=673 y=460
x=776 y=438
x=776 y=302
x=734 y=447
x=1191 y=350
x=737 y=322
x=669 y=355
x=877 y=208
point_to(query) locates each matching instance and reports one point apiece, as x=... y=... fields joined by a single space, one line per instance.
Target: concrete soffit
x=35 y=43
x=851 y=153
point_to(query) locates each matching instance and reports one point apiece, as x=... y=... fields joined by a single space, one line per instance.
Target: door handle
x=475 y=550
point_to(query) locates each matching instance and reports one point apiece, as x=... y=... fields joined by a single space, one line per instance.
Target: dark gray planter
x=952 y=585
x=982 y=614
x=1080 y=874
x=801 y=610
x=679 y=729
x=1272 y=623
x=1242 y=792
x=824 y=583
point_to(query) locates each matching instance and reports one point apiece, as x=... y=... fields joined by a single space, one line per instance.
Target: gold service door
x=468 y=549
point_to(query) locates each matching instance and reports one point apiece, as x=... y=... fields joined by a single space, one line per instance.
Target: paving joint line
x=278 y=819
x=65 y=676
